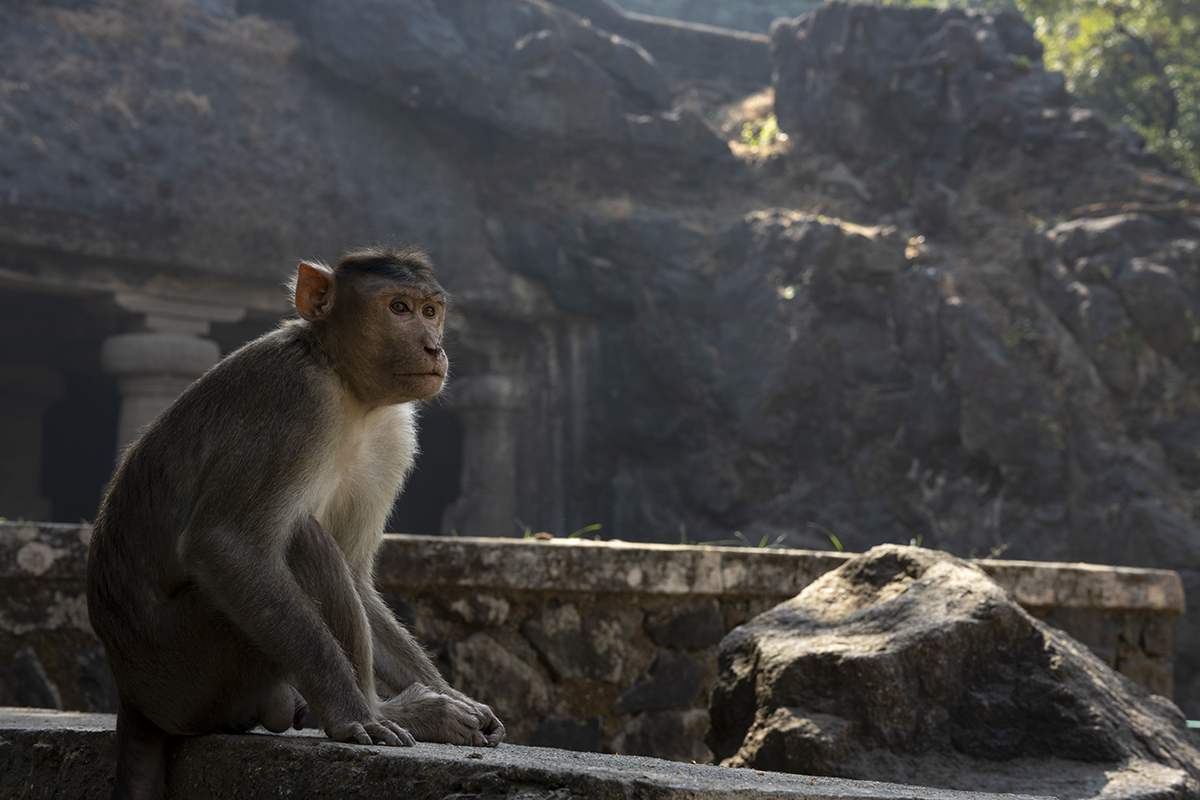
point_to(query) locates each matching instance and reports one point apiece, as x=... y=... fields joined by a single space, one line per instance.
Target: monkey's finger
x=382 y=735
x=355 y=733
x=496 y=735
x=406 y=738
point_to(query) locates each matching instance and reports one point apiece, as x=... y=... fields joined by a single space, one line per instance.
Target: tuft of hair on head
x=410 y=266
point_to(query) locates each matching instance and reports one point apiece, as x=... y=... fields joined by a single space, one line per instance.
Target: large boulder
x=910 y=665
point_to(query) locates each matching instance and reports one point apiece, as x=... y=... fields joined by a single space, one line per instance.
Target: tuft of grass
x=837 y=543
x=762 y=133
x=764 y=543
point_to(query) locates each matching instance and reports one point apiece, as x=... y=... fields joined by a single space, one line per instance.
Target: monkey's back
x=206 y=461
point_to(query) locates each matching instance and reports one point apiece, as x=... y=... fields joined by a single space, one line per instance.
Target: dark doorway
x=79 y=439
x=435 y=480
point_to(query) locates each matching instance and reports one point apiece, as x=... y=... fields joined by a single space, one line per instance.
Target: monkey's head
x=381 y=313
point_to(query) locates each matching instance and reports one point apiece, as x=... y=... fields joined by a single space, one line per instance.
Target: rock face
x=951 y=371
x=920 y=92
x=910 y=665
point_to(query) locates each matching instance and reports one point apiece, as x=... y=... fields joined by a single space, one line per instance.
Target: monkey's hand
x=436 y=717
x=490 y=725
x=382 y=731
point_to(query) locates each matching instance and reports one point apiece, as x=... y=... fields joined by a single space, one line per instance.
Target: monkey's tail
x=141 y=756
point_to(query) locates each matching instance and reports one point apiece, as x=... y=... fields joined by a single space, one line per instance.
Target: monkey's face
x=393 y=351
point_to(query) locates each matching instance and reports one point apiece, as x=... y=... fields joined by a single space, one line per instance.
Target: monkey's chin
x=418 y=387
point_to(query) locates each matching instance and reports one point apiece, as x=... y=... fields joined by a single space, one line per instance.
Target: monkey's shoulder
x=284 y=371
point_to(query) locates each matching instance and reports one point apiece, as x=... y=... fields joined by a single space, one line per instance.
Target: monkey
x=230 y=571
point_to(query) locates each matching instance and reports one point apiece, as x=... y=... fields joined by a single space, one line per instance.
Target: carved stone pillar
x=488 y=407
x=25 y=392
x=153 y=367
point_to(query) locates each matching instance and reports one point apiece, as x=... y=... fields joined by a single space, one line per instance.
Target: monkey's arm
x=443 y=714
x=299 y=610
x=399 y=658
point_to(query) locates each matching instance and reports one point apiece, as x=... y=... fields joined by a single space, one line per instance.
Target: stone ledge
x=48 y=754
x=615 y=566
x=1048 y=584
x=45 y=550
x=589 y=566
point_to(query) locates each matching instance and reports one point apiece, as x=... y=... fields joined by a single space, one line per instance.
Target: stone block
x=675 y=682
x=692 y=627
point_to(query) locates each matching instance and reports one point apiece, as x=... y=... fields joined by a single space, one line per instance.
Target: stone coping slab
x=616 y=566
x=60 y=551
x=54 y=754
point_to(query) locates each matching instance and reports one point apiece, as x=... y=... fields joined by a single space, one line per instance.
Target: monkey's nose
x=435 y=350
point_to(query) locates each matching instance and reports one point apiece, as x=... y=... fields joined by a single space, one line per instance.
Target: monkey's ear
x=314 y=291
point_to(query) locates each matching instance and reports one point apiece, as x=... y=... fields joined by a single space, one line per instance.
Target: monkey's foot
x=436 y=717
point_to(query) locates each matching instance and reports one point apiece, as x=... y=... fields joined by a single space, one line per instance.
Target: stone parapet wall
x=578 y=644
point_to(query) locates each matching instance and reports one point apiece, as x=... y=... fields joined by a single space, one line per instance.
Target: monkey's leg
x=141 y=756
x=321 y=571
x=194 y=672
x=428 y=707
x=287 y=598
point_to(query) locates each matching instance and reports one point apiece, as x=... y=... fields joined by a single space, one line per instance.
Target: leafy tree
x=1135 y=61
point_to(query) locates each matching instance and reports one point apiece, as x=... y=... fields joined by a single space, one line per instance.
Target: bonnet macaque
x=230 y=574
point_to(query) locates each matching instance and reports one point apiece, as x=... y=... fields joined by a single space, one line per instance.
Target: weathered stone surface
x=745 y=15
x=482 y=668
x=914 y=97
x=595 y=646
x=1125 y=286
x=695 y=628
x=56 y=755
x=909 y=664
x=675 y=682
x=925 y=80
x=674 y=735
x=482 y=609
x=525 y=67
x=585 y=736
x=687 y=51
x=31 y=685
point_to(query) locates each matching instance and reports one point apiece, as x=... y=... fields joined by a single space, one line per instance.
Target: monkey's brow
x=416 y=295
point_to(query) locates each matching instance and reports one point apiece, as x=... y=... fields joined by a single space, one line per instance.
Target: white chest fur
x=371 y=453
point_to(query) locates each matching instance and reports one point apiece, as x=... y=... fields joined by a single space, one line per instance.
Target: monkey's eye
x=430 y=311
x=400 y=307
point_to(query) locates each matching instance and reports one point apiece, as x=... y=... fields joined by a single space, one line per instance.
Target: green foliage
x=527 y=531
x=587 y=529
x=837 y=543
x=764 y=543
x=762 y=133
x=1135 y=61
